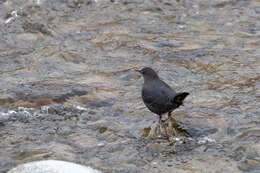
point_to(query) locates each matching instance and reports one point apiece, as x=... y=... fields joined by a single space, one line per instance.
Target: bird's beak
x=138 y=71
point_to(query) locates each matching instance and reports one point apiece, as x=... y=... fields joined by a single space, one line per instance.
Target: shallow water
x=69 y=90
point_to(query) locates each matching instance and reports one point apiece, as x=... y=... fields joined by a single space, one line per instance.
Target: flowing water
x=69 y=90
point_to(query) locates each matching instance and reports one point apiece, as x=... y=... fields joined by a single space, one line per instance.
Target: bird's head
x=148 y=74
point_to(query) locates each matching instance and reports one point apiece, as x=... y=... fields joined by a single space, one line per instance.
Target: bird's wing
x=158 y=96
x=167 y=89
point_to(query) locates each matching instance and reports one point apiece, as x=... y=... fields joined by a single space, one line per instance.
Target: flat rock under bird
x=159 y=97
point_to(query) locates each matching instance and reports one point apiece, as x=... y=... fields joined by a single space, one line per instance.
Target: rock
x=250 y=158
x=189 y=47
x=29 y=36
x=249 y=165
x=51 y=166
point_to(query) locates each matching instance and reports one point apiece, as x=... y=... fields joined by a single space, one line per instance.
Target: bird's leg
x=169 y=115
x=157 y=129
x=160 y=119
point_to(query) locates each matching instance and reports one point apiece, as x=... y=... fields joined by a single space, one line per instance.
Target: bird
x=157 y=95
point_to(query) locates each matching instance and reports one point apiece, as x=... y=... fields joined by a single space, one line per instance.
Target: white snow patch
x=14 y=15
x=52 y=166
x=101 y=144
x=10 y=112
x=45 y=109
x=81 y=108
x=5 y=116
x=206 y=140
x=38 y=2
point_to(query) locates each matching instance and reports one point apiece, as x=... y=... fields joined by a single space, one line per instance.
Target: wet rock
x=98 y=104
x=77 y=91
x=249 y=157
x=155 y=148
x=250 y=165
x=250 y=133
x=257 y=10
x=33 y=154
x=37 y=95
x=129 y=76
x=189 y=47
x=210 y=99
x=36 y=27
x=74 y=3
x=29 y=37
x=187 y=53
x=86 y=141
x=62 y=151
x=200 y=130
x=102 y=129
x=66 y=111
x=168 y=43
x=23 y=114
x=89 y=116
x=168 y=128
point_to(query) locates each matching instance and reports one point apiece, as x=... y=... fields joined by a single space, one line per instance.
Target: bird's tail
x=178 y=99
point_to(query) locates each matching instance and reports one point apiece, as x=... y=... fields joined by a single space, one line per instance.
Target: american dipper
x=157 y=96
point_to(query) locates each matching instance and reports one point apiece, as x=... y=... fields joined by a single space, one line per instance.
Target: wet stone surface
x=69 y=90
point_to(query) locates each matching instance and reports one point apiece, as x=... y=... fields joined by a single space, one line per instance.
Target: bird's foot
x=161 y=128
x=166 y=129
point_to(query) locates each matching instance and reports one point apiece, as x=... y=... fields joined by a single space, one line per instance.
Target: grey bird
x=158 y=96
